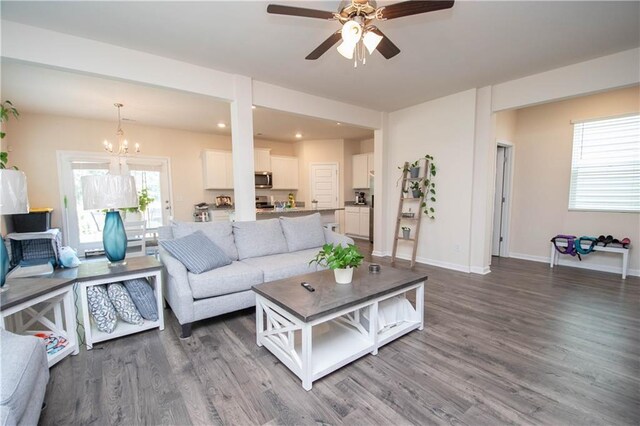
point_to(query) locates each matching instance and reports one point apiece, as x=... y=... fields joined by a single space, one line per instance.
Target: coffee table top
x=330 y=297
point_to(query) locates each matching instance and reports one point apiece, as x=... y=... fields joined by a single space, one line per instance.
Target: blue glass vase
x=114 y=238
x=4 y=263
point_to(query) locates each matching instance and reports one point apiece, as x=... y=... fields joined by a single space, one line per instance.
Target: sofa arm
x=177 y=289
x=335 y=238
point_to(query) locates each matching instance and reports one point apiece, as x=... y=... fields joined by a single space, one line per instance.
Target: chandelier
x=355 y=38
x=122 y=147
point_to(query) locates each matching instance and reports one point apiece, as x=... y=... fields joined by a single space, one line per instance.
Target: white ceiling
x=43 y=90
x=472 y=45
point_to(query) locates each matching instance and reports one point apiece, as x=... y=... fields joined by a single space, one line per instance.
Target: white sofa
x=261 y=251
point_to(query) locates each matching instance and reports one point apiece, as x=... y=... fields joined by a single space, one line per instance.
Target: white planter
x=343 y=276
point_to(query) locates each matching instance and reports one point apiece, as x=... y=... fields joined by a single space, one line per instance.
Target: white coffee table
x=315 y=333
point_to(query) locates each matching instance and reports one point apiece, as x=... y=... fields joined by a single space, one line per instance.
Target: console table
x=100 y=272
x=29 y=303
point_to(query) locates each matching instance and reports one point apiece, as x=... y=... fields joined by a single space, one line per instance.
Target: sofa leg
x=186 y=330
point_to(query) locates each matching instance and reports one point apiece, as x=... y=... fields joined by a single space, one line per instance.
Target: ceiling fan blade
x=326 y=45
x=299 y=11
x=406 y=8
x=386 y=46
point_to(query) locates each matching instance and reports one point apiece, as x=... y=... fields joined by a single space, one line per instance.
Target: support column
x=242 y=146
x=484 y=157
x=379 y=189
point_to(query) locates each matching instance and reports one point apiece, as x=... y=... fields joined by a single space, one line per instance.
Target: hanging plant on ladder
x=429 y=189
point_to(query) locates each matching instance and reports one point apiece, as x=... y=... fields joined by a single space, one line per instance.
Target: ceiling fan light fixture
x=351 y=32
x=346 y=49
x=371 y=41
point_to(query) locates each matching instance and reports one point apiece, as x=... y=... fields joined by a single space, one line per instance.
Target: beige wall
x=543 y=139
x=506 y=126
x=366 y=146
x=35 y=138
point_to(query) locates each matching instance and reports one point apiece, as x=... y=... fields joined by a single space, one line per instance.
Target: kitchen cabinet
x=356 y=221
x=261 y=160
x=285 y=172
x=217 y=169
x=361 y=165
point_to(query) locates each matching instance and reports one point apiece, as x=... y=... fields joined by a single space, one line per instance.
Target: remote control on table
x=307 y=286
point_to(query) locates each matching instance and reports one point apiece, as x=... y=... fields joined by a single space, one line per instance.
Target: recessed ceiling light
x=253 y=107
x=222 y=125
x=298 y=135
x=338 y=124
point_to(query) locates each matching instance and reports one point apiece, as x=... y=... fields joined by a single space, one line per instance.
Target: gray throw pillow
x=259 y=238
x=124 y=305
x=304 y=232
x=143 y=297
x=101 y=308
x=196 y=252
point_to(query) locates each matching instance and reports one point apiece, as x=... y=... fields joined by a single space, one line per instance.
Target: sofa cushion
x=228 y=279
x=220 y=233
x=101 y=308
x=23 y=360
x=303 y=232
x=196 y=252
x=279 y=266
x=143 y=297
x=125 y=307
x=259 y=238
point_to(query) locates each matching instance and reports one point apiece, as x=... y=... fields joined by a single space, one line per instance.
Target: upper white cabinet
x=217 y=169
x=262 y=160
x=285 y=172
x=362 y=164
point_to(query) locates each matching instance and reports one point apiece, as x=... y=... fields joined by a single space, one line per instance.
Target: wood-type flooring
x=522 y=345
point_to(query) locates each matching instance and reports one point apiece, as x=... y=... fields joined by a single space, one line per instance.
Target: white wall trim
x=596 y=75
x=566 y=262
x=431 y=262
x=482 y=271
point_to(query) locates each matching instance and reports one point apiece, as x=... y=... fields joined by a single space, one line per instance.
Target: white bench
x=623 y=251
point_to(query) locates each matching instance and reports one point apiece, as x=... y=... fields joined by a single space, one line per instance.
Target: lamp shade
x=346 y=49
x=371 y=41
x=109 y=192
x=13 y=192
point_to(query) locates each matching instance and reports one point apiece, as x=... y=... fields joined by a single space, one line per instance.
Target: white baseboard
x=376 y=253
x=482 y=270
x=565 y=262
x=432 y=262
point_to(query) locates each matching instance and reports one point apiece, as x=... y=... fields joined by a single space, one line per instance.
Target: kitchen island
x=326 y=215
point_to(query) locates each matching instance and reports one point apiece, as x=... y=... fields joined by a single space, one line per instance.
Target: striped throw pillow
x=196 y=252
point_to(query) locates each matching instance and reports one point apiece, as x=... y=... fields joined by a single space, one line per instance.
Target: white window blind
x=605 y=168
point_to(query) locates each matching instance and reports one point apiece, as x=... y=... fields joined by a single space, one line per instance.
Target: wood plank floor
x=522 y=345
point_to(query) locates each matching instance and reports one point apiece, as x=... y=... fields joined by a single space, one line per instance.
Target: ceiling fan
x=358 y=32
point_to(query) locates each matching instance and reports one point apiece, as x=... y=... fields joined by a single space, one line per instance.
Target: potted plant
x=143 y=202
x=416 y=189
x=6 y=110
x=406 y=232
x=341 y=259
x=413 y=169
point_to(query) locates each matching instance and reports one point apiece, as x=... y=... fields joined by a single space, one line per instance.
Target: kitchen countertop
x=294 y=211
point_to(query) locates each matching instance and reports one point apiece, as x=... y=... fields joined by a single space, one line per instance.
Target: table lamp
x=112 y=192
x=13 y=200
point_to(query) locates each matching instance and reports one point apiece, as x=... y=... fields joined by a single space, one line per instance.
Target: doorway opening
x=502 y=200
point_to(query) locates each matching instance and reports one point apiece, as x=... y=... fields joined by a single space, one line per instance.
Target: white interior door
x=324 y=184
x=499 y=201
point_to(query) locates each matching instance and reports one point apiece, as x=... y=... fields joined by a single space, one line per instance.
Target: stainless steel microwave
x=264 y=180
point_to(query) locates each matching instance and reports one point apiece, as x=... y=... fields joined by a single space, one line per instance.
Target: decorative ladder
x=406 y=182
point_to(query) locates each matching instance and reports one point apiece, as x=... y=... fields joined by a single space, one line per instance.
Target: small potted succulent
x=406 y=232
x=341 y=259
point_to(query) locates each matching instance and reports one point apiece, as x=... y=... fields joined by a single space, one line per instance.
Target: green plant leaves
x=338 y=257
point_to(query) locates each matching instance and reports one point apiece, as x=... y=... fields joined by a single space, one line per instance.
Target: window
x=82 y=229
x=605 y=168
